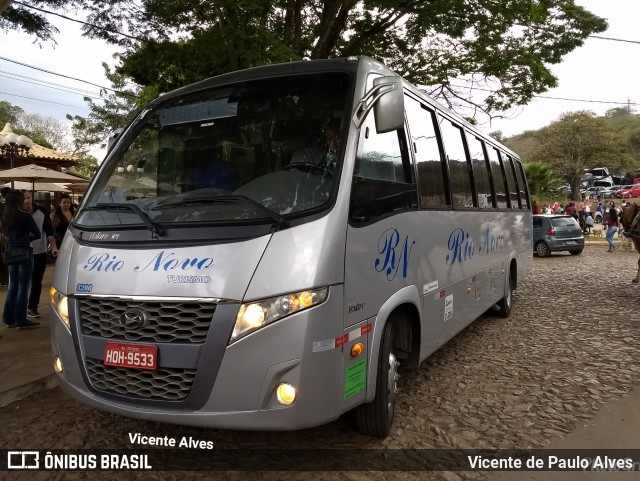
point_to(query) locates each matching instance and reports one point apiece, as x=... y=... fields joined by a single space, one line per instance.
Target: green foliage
x=498 y=135
x=508 y=45
x=86 y=165
x=114 y=110
x=53 y=134
x=428 y=42
x=37 y=137
x=9 y=113
x=20 y=17
x=579 y=141
x=542 y=180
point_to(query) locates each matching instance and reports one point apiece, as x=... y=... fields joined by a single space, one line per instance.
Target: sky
x=599 y=71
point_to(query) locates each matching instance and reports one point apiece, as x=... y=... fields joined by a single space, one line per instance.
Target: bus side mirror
x=113 y=137
x=388 y=108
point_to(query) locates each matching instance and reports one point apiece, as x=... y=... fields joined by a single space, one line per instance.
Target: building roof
x=42 y=155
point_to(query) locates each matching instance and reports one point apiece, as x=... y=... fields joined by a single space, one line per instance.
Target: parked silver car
x=556 y=233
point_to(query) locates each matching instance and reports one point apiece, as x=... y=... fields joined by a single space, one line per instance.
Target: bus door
x=381 y=252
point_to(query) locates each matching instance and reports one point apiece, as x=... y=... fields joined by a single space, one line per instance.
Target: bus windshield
x=260 y=149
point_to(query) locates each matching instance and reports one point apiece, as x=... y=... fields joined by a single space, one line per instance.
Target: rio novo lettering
x=162 y=262
x=462 y=247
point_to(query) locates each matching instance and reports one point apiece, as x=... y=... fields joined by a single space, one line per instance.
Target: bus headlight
x=60 y=304
x=254 y=315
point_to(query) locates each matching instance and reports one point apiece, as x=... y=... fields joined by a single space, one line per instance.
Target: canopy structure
x=34 y=173
x=37 y=187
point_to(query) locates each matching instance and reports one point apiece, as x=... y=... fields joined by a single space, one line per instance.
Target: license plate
x=571 y=243
x=137 y=356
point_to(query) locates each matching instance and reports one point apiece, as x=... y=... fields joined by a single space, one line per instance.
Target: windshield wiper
x=225 y=199
x=155 y=230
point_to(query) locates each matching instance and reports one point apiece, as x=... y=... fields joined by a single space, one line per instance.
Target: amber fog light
x=286 y=394
x=357 y=349
x=57 y=364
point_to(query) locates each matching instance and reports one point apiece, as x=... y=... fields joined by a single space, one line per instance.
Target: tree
x=497 y=135
x=506 y=46
x=9 y=113
x=116 y=109
x=576 y=142
x=542 y=180
x=19 y=16
x=45 y=131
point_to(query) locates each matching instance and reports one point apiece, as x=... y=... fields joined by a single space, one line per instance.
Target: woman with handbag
x=19 y=229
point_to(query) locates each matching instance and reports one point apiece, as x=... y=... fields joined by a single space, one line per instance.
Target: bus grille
x=165 y=321
x=161 y=384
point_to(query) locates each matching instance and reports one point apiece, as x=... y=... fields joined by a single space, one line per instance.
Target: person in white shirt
x=39 y=251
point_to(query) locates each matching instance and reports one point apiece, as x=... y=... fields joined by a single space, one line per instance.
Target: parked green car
x=556 y=233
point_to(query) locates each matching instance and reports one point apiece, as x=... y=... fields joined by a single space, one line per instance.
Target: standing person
x=20 y=229
x=555 y=207
x=598 y=212
x=612 y=226
x=4 y=272
x=580 y=209
x=61 y=217
x=43 y=222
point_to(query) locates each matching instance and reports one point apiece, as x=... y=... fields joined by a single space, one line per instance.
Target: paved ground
x=25 y=356
x=563 y=372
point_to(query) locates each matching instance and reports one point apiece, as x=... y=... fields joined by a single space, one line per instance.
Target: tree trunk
x=332 y=24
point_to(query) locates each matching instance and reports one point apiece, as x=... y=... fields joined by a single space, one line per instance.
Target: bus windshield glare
x=255 y=150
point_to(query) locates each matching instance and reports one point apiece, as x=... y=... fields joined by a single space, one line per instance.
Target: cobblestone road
x=569 y=347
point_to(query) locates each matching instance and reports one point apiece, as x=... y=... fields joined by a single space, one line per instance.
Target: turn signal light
x=357 y=349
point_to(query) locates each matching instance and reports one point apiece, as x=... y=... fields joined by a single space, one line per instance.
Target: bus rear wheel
x=375 y=418
x=505 y=305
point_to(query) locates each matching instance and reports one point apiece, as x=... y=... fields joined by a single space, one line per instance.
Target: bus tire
x=375 y=418
x=505 y=305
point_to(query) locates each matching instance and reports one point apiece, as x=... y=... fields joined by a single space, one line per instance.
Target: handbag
x=17 y=255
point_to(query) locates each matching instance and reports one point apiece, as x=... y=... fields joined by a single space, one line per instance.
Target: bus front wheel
x=375 y=418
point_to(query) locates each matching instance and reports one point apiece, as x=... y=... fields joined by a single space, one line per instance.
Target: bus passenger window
x=459 y=173
x=431 y=180
x=524 y=198
x=499 y=182
x=382 y=179
x=480 y=172
x=511 y=181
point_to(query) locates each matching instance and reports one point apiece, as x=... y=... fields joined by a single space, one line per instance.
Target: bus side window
x=512 y=192
x=524 y=197
x=499 y=181
x=511 y=181
x=480 y=172
x=382 y=179
x=429 y=160
x=459 y=172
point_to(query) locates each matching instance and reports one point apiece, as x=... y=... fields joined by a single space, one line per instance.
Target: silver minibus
x=264 y=249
